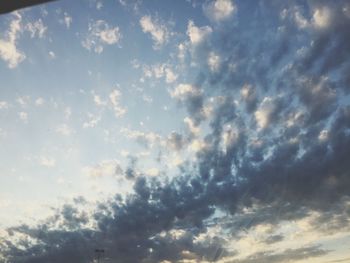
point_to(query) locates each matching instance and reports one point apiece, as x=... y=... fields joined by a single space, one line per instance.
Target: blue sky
x=217 y=126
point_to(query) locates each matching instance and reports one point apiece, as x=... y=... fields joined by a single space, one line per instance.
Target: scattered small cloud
x=159 y=32
x=100 y=34
x=64 y=129
x=114 y=98
x=52 y=55
x=92 y=121
x=219 y=10
x=39 y=101
x=4 y=105
x=36 y=29
x=47 y=161
x=197 y=34
x=104 y=168
x=23 y=116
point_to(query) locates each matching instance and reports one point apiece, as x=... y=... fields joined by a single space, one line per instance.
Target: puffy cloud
x=8 y=49
x=104 y=168
x=23 y=116
x=39 y=101
x=278 y=159
x=64 y=130
x=36 y=28
x=197 y=34
x=101 y=34
x=219 y=10
x=4 y=105
x=67 y=20
x=214 y=62
x=47 y=161
x=192 y=97
x=114 y=98
x=146 y=139
x=322 y=17
x=159 y=32
x=92 y=121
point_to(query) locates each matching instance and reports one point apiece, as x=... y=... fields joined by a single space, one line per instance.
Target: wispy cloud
x=100 y=34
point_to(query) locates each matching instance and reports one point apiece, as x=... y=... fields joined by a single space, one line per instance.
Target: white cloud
x=47 y=162
x=183 y=91
x=39 y=101
x=147 y=98
x=99 y=5
x=323 y=136
x=153 y=171
x=170 y=76
x=214 y=62
x=159 y=71
x=92 y=121
x=300 y=20
x=36 y=29
x=101 y=34
x=4 y=105
x=264 y=112
x=181 y=52
x=23 y=101
x=147 y=139
x=219 y=10
x=104 y=168
x=322 y=17
x=67 y=20
x=98 y=101
x=114 y=97
x=8 y=49
x=159 y=32
x=64 y=129
x=52 y=54
x=197 y=34
x=23 y=116
x=195 y=130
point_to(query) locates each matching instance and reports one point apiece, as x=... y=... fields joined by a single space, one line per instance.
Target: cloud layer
x=269 y=128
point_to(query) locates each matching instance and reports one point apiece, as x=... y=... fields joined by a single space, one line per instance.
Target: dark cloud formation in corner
x=286 y=150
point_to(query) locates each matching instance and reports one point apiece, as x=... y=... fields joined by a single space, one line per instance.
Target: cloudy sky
x=175 y=131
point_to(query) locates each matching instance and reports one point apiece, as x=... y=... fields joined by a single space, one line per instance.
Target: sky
x=175 y=131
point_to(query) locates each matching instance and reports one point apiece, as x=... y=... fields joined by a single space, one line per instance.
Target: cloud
x=39 y=101
x=159 y=71
x=104 y=168
x=114 y=98
x=273 y=151
x=321 y=17
x=101 y=34
x=146 y=139
x=92 y=121
x=159 y=32
x=67 y=20
x=192 y=97
x=36 y=29
x=23 y=116
x=8 y=49
x=219 y=10
x=47 y=161
x=197 y=34
x=4 y=105
x=286 y=256
x=64 y=130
